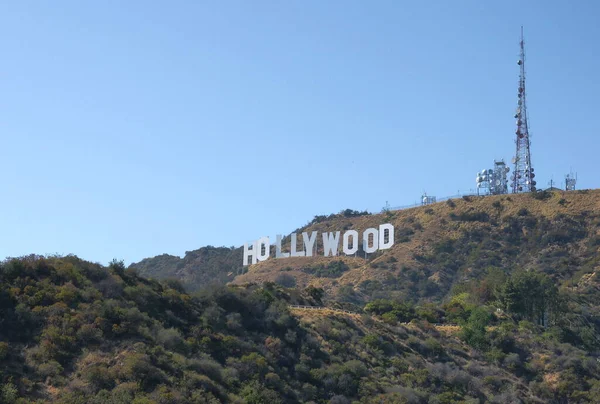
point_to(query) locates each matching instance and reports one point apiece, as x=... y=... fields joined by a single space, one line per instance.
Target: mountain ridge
x=437 y=247
x=198 y=268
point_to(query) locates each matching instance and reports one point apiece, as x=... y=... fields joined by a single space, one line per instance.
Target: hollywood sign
x=372 y=240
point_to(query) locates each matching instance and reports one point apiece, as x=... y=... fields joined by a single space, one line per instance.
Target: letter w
x=331 y=242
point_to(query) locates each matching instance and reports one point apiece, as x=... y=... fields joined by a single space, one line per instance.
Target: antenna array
x=523 y=175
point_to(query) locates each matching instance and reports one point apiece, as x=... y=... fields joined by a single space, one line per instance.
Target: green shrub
x=372 y=341
x=256 y=393
x=333 y=269
x=433 y=347
x=50 y=369
x=3 y=350
x=8 y=393
x=171 y=339
x=99 y=377
x=285 y=280
x=474 y=332
x=541 y=195
x=470 y=216
x=390 y=318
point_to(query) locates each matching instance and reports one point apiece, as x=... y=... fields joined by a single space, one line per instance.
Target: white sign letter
x=248 y=252
x=278 y=253
x=309 y=242
x=346 y=246
x=330 y=243
x=375 y=245
x=295 y=253
x=382 y=228
x=263 y=241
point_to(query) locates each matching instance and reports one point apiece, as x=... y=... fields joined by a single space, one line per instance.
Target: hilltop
x=451 y=245
x=437 y=248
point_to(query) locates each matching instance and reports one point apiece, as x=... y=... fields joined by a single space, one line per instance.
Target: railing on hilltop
x=438 y=200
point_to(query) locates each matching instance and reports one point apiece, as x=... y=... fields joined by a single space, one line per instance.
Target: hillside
x=76 y=332
x=437 y=248
x=450 y=245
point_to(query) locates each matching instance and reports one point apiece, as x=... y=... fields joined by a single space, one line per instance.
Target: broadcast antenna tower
x=522 y=178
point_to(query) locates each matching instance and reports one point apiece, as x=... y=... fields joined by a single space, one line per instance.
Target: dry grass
x=430 y=224
x=552 y=379
x=307 y=313
x=448 y=329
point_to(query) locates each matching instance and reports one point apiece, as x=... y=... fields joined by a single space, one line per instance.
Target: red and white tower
x=523 y=176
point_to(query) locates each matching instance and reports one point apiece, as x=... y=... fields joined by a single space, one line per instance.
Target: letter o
x=375 y=246
x=346 y=247
x=260 y=256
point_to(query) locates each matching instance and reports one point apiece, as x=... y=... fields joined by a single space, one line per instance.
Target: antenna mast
x=522 y=178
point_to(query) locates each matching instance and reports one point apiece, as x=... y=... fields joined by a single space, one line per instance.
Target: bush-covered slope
x=75 y=332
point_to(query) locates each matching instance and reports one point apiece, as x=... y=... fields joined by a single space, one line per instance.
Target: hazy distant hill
x=198 y=268
x=207 y=265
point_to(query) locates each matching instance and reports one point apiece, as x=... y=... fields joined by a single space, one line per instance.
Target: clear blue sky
x=134 y=128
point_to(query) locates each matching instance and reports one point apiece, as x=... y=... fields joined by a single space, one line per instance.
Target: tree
x=532 y=296
x=256 y=393
x=474 y=333
x=315 y=293
x=402 y=311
